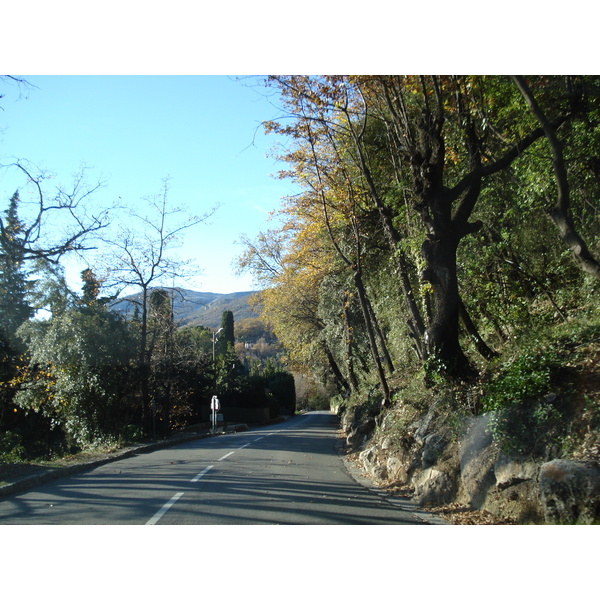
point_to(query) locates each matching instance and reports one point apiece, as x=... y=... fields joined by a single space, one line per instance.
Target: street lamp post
x=214 y=401
x=215 y=334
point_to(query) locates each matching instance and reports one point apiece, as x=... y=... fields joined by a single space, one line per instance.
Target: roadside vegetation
x=445 y=246
x=76 y=376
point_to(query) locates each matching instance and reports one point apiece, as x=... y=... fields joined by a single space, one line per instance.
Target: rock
x=367 y=457
x=386 y=443
x=477 y=456
x=348 y=418
x=396 y=470
x=476 y=438
x=433 y=487
x=379 y=472
x=423 y=424
x=370 y=463
x=510 y=471
x=361 y=433
x=570 y=492
x=433 y=446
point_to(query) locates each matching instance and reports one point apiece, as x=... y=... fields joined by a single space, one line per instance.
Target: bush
x=11 y=447
x=525 y=415
x=282 y=386
x=527 y=377
x=78 y=373
x=317 y=401
x=132 y=434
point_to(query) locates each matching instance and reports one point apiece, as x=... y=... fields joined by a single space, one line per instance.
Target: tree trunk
x=144 y=365
x=353 y=381
x=415 y=320
x=371 y=335
x=340 y=381
x=442 y=334
x=473 y=332
x=382 y=341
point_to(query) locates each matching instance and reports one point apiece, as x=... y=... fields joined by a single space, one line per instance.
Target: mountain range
x=197 y=308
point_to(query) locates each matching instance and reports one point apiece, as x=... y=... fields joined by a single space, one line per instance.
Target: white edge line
x=164 y=509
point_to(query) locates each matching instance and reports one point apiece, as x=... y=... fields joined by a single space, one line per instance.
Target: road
x=289 y=473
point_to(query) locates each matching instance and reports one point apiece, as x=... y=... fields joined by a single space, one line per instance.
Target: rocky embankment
x=441 y=465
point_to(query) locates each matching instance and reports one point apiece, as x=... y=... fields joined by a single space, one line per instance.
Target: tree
x=226 y=339
x=139 y=256
x=561 y=212
x=197 y=340
x=58 y=221
x=454 y=140
x=161 y=323
x=161 y=349
x=457 y=172
x=228 y=367
x=78 y=372
x=340 y=195
x=91 y=287
x=323 y=158
x=52 y=224
x=290 y=264
x=14 y=306
x=442 y=138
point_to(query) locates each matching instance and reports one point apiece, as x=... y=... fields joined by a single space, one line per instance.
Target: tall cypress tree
x=161 y=324
x=227 y=337
x=14 y=308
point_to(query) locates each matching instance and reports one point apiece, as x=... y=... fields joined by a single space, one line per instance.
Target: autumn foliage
x=438 y=216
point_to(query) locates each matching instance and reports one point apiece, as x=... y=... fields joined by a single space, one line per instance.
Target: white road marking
x=202 y=473
x=176 y=497
x=164 y=509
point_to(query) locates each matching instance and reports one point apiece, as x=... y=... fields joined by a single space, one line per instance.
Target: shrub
x=524 y=414
x=283 y=388
x=11 y=448
x=527 y=377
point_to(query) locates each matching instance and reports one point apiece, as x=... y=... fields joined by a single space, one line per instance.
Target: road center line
x=201 y=474
x=164 y=509
x=228 y=454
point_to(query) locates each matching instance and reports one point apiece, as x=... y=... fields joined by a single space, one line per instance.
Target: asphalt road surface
x=289 y=473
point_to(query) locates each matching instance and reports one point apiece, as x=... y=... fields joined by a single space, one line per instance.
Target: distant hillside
x=197 y=308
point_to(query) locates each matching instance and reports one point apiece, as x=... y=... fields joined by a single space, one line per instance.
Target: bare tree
x=139 y=257
x=55 y=222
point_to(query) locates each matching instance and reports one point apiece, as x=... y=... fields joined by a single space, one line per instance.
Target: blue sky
x=202 y=132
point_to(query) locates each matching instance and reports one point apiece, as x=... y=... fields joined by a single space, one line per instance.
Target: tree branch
x=560 y=214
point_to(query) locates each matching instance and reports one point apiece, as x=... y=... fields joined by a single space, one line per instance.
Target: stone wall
x=442 y=467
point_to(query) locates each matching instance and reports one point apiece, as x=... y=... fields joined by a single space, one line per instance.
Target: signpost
x=215 y=405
